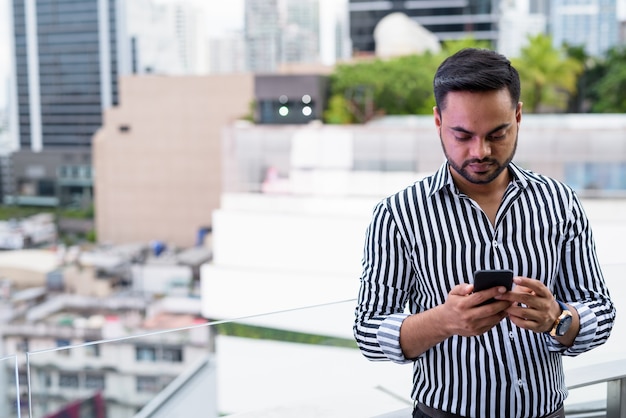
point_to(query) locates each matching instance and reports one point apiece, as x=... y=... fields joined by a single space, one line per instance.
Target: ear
x=518 y=112
x=437 y=116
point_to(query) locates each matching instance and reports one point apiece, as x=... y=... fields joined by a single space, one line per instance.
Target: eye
x=462 y=138
x=497 y=136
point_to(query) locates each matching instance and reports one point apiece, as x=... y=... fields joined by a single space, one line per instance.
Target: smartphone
x=485 y=279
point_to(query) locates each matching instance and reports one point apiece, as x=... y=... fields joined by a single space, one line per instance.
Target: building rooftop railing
x=258 y=366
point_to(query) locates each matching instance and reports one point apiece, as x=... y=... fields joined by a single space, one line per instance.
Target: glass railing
x=282 y=361
x=279 y=364
x=10 y=402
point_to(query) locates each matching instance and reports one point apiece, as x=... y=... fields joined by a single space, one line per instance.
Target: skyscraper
x=67 y=64
x=592 y=24
x=262 y=35
x=66 y=60
x=446 y=19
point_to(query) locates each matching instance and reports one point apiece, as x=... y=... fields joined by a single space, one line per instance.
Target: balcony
x=302 y=362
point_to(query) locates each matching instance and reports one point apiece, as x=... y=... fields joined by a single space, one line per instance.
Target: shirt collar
x=443 y=179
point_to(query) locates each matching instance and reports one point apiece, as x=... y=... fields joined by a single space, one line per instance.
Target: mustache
x=480 y=161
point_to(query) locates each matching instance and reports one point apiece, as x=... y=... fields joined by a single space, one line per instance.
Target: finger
x=488 y=294
x=522 y=289
x=534 y=285
x=463 y=289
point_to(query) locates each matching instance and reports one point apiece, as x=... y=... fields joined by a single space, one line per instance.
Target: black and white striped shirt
x=428 y=238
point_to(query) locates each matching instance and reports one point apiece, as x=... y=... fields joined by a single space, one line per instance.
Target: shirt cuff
x=388 y=336
x=586 y=334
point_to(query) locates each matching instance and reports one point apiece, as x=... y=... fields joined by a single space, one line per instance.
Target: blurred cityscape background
x=185 y=187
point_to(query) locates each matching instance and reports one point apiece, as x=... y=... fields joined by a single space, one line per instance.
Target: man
x=481 y=211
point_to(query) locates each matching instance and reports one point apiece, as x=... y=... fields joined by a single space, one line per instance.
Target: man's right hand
x=460 y=314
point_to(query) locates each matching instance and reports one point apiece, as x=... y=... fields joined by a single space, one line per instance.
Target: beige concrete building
x=157 y=158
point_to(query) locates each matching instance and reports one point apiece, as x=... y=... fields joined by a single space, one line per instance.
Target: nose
x=480 y=148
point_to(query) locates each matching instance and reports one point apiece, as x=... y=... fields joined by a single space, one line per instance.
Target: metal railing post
x=616 y=398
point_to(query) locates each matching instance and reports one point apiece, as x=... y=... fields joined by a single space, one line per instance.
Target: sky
x=224 y=18
x=227 y=17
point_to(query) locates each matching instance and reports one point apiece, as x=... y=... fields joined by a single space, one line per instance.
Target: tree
x=455 y=45
x=610 y=90
x=398 y=86
x=548 y=75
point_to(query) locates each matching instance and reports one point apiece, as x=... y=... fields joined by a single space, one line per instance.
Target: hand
x=465 y=317
x=533 y=306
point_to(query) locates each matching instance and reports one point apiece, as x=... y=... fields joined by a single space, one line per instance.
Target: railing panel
x=10 y=384
x=115 y=377
x=309 y=375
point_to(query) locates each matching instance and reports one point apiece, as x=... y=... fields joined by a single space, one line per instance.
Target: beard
x=461 y=168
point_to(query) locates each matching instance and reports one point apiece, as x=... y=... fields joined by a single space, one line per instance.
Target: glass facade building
x=448 y=19
x=588 y=23
x=66 y=69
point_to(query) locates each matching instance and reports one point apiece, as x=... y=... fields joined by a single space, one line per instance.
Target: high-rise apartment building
x=67 y=65
x=592 y=24
x=446 y=19
x=301 y=35
x=518 y=20
x=262 y=35
x=285 y=32
x=165 y=38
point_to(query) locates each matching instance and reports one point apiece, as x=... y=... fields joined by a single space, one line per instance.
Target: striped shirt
x=428 y=238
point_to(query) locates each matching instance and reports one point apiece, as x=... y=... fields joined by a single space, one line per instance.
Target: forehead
x=470 y=108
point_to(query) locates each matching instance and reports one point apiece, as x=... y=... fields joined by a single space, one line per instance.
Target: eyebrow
x=465 y=131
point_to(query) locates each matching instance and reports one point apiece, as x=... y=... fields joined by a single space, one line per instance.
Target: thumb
x=462 y=289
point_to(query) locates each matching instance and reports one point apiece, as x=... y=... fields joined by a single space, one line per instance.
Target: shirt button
x=495 y=244
x=520 y=382
x=511 y=335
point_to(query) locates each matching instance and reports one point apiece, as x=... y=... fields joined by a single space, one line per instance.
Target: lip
x=480 y=167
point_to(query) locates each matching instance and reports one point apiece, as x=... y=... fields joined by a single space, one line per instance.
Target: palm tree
x=547 y=74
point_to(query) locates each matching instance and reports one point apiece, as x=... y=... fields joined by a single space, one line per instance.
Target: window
x=164 y=354
x=147 y=384
x=94 y=381
x=173 y=355
x=145 y=353
x=63 y=343
x=92 y=350
x=68 y=380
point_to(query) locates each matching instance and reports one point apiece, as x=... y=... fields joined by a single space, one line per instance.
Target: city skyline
x=220 y=21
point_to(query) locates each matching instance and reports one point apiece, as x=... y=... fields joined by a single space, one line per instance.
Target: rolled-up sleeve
x=582 y=286
x=385 y=288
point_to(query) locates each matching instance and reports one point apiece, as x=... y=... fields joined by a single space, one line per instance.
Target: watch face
x=563 y=326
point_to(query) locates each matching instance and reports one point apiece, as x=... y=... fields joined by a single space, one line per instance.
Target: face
x=478 y=132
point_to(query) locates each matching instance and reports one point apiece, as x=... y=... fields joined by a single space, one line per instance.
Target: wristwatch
x=563 y=322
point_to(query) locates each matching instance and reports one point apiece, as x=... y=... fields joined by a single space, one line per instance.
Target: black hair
x=475 y=70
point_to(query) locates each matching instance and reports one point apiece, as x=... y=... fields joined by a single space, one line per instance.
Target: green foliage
x=86 y=213
x=548 y=75
x=398 y=86
x=610 y=90
x=453 y=46
x=251 y=331
x=18 y=212
x=91 y=236
x=337 y=111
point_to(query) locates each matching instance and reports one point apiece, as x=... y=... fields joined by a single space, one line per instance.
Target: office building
x=517 y=21
x=67 y=65
x=165 y=38
x=300 y=38
x=592 y=24
x=262 y=35
x=281 y=33
x=447 y=20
